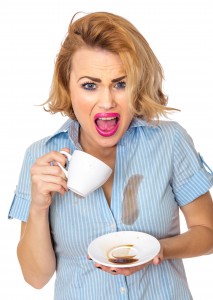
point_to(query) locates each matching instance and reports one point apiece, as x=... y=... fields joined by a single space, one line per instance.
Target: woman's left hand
x=129 y=271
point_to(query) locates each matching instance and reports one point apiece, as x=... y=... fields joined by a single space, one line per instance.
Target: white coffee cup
x=86 y=173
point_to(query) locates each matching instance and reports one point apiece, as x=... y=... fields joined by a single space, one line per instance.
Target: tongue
x=106 y=125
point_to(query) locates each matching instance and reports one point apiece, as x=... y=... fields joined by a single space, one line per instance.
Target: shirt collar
x=67 y=129
x=137 y=122
x=71 y=127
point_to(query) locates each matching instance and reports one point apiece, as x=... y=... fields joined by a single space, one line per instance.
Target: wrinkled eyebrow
x=119 y=78
x=99 y=80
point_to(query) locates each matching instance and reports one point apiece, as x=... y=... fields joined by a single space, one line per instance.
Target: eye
x=89 y=86
x=120 y=85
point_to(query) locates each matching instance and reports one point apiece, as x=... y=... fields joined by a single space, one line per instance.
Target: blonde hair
x=116 y=34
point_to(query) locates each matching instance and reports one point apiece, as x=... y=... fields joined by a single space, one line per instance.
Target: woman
x=108 y=82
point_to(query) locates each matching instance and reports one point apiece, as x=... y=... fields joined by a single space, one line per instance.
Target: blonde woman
x=108 y=81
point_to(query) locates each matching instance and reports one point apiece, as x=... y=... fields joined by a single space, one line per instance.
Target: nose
x=106 y=99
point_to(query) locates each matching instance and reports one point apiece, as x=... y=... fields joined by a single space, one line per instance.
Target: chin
x=108 y=142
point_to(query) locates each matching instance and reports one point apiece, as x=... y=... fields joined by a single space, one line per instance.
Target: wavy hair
x=116 y=34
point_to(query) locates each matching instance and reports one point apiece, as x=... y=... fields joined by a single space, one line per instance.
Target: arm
x=198 y=240
x=35 y=251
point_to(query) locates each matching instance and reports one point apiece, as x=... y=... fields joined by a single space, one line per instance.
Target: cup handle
x=69 y=156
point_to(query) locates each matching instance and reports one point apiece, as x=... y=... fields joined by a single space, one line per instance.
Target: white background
x=180 y=33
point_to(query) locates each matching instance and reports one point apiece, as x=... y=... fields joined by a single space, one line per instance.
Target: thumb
x=65 y=149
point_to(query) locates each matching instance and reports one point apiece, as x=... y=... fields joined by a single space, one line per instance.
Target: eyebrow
x=99 y=80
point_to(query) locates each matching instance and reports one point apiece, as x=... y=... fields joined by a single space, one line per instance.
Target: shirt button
x=113 y=227
x=122 y=290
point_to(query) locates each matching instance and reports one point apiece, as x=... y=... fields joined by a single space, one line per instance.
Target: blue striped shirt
x=159 y=169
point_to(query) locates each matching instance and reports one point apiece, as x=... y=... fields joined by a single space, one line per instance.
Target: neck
x=106 y=154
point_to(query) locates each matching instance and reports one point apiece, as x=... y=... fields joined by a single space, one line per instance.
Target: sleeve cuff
x=19 y=209
x=199 y=184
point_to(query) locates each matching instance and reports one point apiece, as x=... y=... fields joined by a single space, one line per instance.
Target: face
x=100 y=104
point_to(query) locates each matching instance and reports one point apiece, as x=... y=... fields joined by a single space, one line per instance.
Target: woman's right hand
x=46 y=179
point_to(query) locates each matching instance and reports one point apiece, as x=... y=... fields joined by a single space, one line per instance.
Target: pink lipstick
x=107 y=124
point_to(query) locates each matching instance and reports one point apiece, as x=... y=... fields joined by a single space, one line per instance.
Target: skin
x=105 y=93
x=96 y=87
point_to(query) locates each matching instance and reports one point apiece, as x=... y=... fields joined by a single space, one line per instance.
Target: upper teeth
x=109 y=118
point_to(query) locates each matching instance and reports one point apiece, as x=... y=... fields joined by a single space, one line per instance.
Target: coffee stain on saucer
x=123 y=254
x=123 y=260
x=130 y=209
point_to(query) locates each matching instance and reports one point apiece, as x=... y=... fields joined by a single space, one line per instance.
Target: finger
x=112 y=271
x=44 y=182
x=156 y=261
x=47 y=170
x=54 y=179
x=50 y=157
x=131 y=270
x=50 y=188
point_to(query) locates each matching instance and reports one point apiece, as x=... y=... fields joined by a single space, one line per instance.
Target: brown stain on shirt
x=130 y=209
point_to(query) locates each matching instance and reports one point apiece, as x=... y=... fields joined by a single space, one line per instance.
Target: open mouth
x=107 y=124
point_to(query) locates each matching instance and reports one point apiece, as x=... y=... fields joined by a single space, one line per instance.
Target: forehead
x=96 y=61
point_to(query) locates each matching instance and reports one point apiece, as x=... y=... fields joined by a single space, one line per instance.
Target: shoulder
x=172 y=127
x=161 y=128
x=37 y=146
x=37 y=149
x=175 y=132
x=162 y=134
x=55 y=142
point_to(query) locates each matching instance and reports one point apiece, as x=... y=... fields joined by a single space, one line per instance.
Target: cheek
x=128 y=120
x=82 y=110
x=79 y=111
x=82 y=101
x=78 y=103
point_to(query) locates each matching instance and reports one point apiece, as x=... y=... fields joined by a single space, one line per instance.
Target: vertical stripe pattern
x=157 y=171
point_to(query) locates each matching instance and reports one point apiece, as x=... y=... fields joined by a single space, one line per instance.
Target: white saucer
x=124 y=249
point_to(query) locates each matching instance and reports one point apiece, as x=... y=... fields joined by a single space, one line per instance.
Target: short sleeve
x=20 y=206
x=191 y=175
